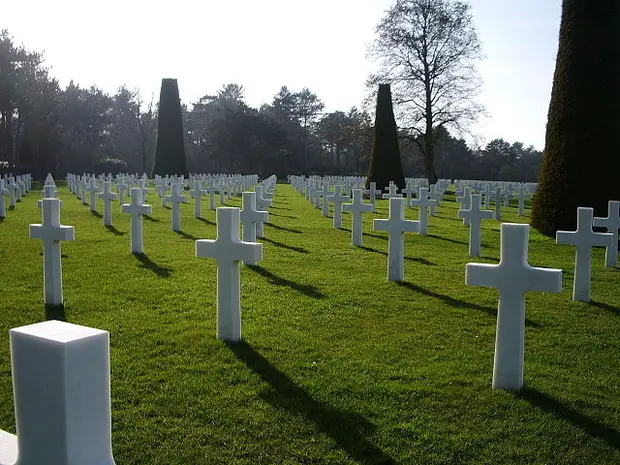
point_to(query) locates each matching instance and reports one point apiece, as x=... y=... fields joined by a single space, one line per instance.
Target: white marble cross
x=250 y=217
x=373 y=193
x=262 y=204
x=423 y=202
x=228 y=250
x=121 y=187
x=521 y=195
x=61 y=382
x=210 y=188
x=513 y=277
x=474 y=214
x=51 y=232
x=107 y=196
x=583 y=239
x=176 y=199
x=409 y=190
x=337 y=198
x=320 y=194
x=136 y=209
x=396 y=226
x=3 y=192
x=49 y=192
x=465 y=202
x=611 y=223
x=357 y=208
x=392 y=192
x=325 y=206
x=497 y=199
x=12 y=193
x=197 y=192
x=93 y=190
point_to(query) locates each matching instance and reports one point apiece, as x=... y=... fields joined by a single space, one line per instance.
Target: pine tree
x=170 y=147
x=581 y=162
x=385 y=164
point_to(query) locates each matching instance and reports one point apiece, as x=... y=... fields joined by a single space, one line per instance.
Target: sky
x=265 y=44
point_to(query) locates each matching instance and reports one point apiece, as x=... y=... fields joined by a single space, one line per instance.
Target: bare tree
x=426 y=50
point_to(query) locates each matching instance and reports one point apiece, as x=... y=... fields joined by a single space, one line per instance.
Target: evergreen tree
x=385 y=164
x=581 y=164
x=170 y=148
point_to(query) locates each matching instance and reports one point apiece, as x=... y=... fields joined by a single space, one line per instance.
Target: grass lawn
x=338 y=366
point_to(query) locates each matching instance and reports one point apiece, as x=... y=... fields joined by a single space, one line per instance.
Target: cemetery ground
x=337 y=366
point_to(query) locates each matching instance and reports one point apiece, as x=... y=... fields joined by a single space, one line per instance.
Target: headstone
x=136 y=209
x=3 y=192
x=373 y=193
x=61 y=384
x=51 y=232
x=497 y=200
x=337 y=198
x=423 y=202
x=228 y=250
x=197 y=192
x=176 y=199
x=522 y=194
x=107 y=196
x=465 y=202
x=357 y=208
x=392 y=191
x=513 y=277
x=611 y=223
x=396 y=226
x=583 y=239
x=250 y=217
x=474 y=214
x=93 y=190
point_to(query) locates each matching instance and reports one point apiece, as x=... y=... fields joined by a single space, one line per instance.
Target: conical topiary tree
x=385 y=164
x=170 y=147
x=581 y=160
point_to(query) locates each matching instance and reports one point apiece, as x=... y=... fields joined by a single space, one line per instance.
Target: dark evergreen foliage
x=385 y=163
x=170 y=148
x=581 y=163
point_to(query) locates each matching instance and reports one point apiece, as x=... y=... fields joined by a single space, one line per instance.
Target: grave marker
x=51 y=232
x=611 y=223
x=583 y=239
x=512 y=277
x=396 y=226
x=136 y=209
x=228 y=251
x=357 y=208
x=475 y=215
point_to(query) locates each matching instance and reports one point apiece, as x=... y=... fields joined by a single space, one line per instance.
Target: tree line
x=46 y=128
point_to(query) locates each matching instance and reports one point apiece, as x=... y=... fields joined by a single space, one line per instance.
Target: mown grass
x=338 y=366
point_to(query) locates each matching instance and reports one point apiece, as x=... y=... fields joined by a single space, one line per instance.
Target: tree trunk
x=429 y=157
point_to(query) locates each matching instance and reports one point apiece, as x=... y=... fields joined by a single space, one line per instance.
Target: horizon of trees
x=45 y=128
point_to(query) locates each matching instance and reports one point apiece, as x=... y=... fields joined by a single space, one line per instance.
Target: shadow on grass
x=423 y=261
x=347 y=429
x=457 y=303
x=283 y=216
x=447 y=218
x=147 y=263
x=150 y=218
x=184 y=235
x=280 y=208
x=206 y=221
x=96 y=214
x=447 y=239
x=115 y=231
x=378 y=236
x=305 y=289
x=55 y=312
x=282 y=228
x=2 y=218
x=167 y=207
x=604 y=306
x=563 y=412
x=284 y=246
